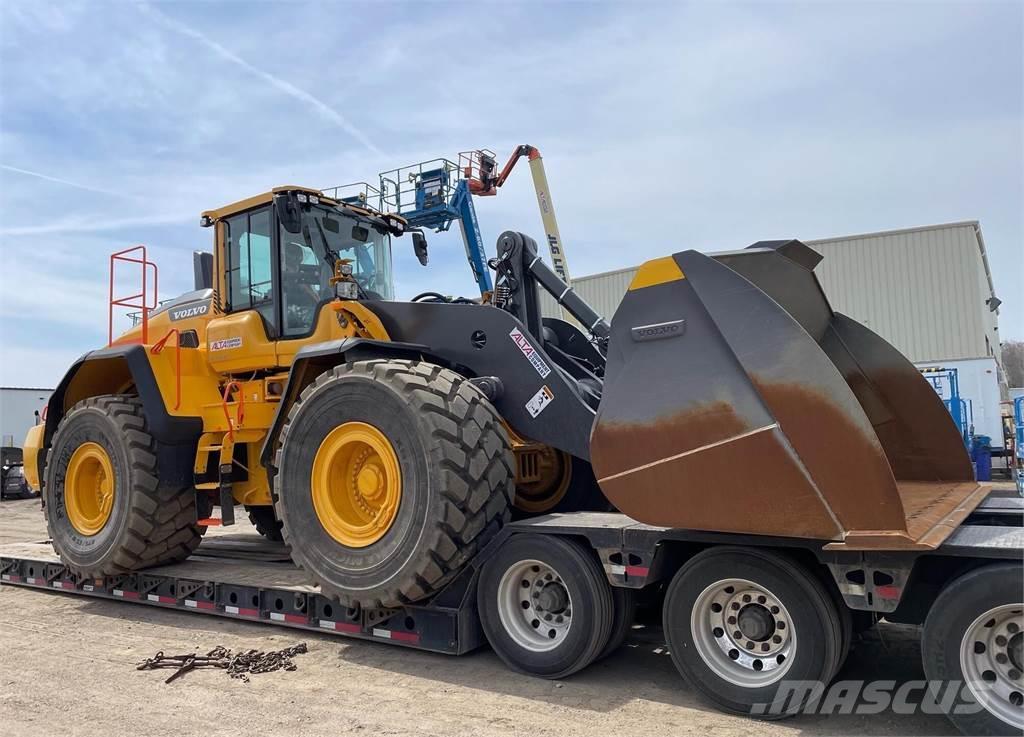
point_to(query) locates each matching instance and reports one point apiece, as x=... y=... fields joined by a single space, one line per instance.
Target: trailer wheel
x=974 y=636
x=107 y=511
x=390 y=475
x=545 y=605
x=623 y=614
x=740 y=622
x=265 y=522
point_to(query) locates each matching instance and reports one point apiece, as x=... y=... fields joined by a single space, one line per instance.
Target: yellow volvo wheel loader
x=777 y=464
x=384 y=440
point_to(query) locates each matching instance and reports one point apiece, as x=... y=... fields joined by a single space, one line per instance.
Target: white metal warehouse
x=927 y=290
x=18 y=408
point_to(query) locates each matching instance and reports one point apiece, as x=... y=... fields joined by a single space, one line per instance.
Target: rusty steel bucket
x=736 y=400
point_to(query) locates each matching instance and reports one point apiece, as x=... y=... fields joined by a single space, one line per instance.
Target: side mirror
x=419 y=247
x=288 y=211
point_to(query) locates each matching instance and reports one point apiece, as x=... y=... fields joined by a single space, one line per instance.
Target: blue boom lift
x=433 y=194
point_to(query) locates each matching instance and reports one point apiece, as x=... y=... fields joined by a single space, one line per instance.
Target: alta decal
x=225 y=344
x=530 y=352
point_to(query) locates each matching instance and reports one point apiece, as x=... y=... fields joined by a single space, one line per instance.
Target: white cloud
x=275 y=81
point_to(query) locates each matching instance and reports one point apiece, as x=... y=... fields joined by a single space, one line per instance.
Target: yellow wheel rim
x=538 y=497
x=357 y=484
x=89 y=488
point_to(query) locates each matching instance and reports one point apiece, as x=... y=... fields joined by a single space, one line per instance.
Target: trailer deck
x=245 y=577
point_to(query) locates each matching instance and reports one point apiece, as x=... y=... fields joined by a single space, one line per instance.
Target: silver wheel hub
x=743 y=632
x=991 y=659
x=534 y=605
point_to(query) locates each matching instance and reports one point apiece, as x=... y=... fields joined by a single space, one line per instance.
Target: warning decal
x=539 y=401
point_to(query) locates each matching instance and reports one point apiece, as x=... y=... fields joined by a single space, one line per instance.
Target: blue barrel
x=981 y=453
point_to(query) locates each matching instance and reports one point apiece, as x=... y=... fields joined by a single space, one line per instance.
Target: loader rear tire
x=265 y=522
x=742 y=622
x=107 y=511
x=441 y=476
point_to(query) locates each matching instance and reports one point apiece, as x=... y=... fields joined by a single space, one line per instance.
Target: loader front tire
x=390 y=475
x=265 y=522
x=107 y=512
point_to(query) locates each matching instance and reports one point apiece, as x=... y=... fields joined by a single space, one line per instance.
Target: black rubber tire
x=623 y=614
x=265 y=522
x=959 y=604
x=588 y=590
x=150 y=522
x=457 y=478
x=811 y=609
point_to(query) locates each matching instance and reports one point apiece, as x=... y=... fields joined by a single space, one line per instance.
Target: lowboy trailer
x=250 y=579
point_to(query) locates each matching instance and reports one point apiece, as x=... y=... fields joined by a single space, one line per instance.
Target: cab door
x=243 y=338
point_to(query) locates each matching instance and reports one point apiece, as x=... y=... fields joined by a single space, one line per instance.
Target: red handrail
x=241 y=406
x=156 y=350
x=143 y=304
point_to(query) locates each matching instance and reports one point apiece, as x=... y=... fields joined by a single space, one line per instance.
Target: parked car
x=13 y=483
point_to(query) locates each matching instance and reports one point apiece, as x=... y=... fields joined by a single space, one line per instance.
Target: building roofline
x=896 y=231
x=974 y=224
x=605 y=273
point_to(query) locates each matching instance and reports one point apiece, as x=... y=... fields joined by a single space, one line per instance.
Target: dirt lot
x=67 y=667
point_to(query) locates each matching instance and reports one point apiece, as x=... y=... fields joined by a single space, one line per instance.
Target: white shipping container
x=978 y=380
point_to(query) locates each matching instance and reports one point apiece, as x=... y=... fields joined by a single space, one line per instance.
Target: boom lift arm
x=489 y=182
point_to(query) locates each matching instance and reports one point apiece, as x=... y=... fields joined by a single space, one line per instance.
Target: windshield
x=307 y=263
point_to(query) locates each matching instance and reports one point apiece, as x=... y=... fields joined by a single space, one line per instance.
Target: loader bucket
x=736 y=400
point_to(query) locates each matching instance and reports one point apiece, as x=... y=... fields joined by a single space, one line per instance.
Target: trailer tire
x=623 y=614
x=441 y=458
x=976 y=622
x=545 y=605
x=132 y=520
x=783 y=617
x=265 y=522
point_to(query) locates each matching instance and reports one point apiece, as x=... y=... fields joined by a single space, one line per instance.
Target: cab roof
x=257 y=200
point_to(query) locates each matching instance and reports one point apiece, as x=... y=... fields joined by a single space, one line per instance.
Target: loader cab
x=275 y=257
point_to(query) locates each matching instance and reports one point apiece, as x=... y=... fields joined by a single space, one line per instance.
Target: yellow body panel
x=238 y=343
x=33 y=442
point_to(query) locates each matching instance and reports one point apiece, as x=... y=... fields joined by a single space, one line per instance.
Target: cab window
x=250 y=264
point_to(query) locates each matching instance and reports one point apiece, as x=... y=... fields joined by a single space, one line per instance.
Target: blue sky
x=663 y=127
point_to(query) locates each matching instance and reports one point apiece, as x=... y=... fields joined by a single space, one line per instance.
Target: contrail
x=284 y=86
x=65 y=182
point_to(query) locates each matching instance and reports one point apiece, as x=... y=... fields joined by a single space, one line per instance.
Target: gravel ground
x=67 y=667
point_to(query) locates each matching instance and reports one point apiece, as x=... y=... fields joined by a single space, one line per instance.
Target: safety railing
x=421 y=186
x=356 y=193
x=225 y=400
x=144 y=300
